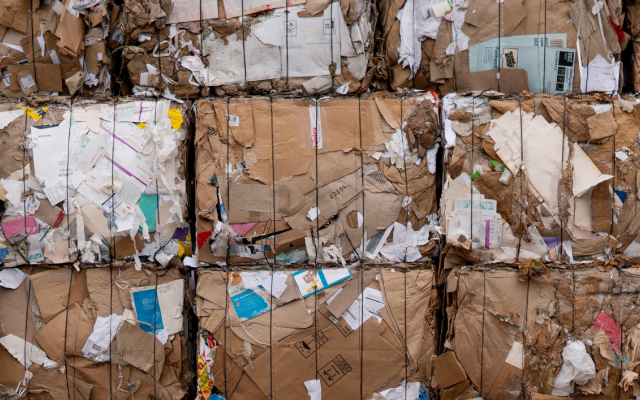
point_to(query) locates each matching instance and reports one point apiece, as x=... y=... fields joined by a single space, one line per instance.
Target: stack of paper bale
x=307 y=180
x=175 y=48
x=545 y=333
x=57 y=46
x=548 y=178
x=509 y=46
x=306 y=332
x=93 y=182
x=94 y=333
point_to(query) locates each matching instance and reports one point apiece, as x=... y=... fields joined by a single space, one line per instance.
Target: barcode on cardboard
x=316 y=127
x=117 y=36
x=26 y=82
x=334 y=370
x=311 y=343
x=233 y=120
x=556 y=42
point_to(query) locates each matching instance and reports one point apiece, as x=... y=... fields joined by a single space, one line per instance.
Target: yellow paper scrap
x=35 y=114
x=176 y=118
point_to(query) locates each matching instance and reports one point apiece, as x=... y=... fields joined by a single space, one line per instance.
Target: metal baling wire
x=621 y=329
x=544 y=50
x=154 y=333
x=244 y=54
x=331 y=38
x=406 y=188
x=275 y=261
x=227 y=171
x=621 y=359
x=499 y=43
x=564 y=129
x=613 y=156
x=526 y=312
x=364 y=251
x=33 y=52
x=66 y=318
x=404 y=162
x=202 y=41
x=317 y=247
x=228 y=271
x=286 y=37
x=473 y=145
x=112 y=252
x=24 y=189
x=521 y=177
x=573 y=272
x=157 y=232
x=484 y=278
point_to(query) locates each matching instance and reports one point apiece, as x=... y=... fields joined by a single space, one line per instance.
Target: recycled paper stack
x=175 y=48
x=551 y=332
x=330 y=338
x=123 y=193
x=59 y=47
x=507 y=46
x=287 y=179
x=89 y=334
x=547 y=178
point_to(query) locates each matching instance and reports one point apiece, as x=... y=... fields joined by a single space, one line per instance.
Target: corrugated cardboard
x=136 y=347
x=52 y=340
x=448 y=371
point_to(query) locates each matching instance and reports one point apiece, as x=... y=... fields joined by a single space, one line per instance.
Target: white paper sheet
x=311 y=45
x=11 y=278
x=104 y=330
x=358 y=313
x=18 y=349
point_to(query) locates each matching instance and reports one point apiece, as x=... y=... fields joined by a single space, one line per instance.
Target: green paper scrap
x=475 y=175
x=498 y=164
x=149 y=207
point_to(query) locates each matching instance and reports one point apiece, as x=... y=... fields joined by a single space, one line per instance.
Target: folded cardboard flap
x=448 y=371
x=134 y=346
x=51 y=288
x=507 y=81
x=455 y=391
x=47 y=77
x=350 y=292
x=74 y=324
